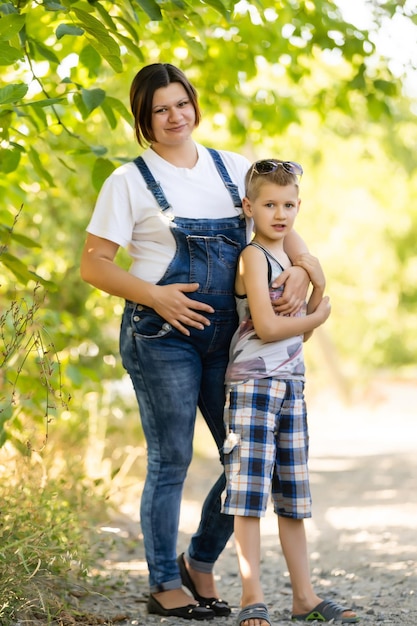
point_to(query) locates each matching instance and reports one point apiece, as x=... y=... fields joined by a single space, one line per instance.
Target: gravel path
x=362 y=537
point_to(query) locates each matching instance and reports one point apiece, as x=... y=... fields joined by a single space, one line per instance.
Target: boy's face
x=273 y=210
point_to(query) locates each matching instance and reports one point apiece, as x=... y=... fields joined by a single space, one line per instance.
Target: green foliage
x=63 y=51
x=8 y=237
x=27 y=352
x=275 y=78
x=264 y=71
x=45 y=540
x=269 y=75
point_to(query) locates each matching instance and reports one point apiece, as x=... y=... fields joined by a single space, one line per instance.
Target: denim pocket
x=148 y=324
x=213 y=263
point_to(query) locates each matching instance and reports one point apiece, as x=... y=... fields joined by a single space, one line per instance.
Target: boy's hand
x=324 y=308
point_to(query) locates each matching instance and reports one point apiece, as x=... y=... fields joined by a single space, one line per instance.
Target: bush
x=46 y=538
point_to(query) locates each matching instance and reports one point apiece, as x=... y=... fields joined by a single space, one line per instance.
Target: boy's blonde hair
x=278 y=172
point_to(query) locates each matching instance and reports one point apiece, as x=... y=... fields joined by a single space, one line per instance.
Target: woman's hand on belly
x=172 y=303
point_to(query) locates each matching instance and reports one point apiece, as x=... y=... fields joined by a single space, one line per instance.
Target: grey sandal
x=254 y=611
x=326 y=611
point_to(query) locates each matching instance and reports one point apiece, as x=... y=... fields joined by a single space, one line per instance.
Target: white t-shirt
x=127 y=213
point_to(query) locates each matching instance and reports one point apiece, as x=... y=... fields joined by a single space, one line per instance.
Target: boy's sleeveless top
x=250 y=357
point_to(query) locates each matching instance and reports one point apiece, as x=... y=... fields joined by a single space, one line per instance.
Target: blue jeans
x=173 y=375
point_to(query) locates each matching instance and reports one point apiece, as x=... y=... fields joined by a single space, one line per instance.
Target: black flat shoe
x=217 y=605
x=191 y=611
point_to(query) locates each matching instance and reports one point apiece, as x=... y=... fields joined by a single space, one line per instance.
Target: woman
x=178 y=210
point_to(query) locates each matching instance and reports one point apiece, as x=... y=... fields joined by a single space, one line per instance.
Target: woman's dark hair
x=144 y=85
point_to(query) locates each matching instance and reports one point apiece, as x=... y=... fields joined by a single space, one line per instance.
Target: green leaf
x=92 y=98
x=19 y=269
x=54 y=6
x=39 y=168
x=101 y=40
x=111 y=106
x=128 y=27
x=5 y=236
x=98 y=150
x=196 y=48
x=6 y=413
x=25 y=241
x=79 y=103
x=131 y=46
x=151 y=9
x=388 y=88
x=101 y=170
x=8 y=54
x=46 y=52
x=45 y=102
x=105 y=16
x=359 y=82
x=377 y=108
x=113 y=61
x=90 y=58
x=7 y=8
x=118 y=106
x=12 y=93
x=108 y=112
x=68 y=29
x=34 y=119
x=66 y=165
x=220 y=7
x=93 y=25
x=10 y=25
x=9 y=160
x=6 y=118
x=74 y=374
x=3 y=437
x=41 y=115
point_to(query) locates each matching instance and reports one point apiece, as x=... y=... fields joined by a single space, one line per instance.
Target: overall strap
x=221 y=168
x=153 y=186
x=156 y=189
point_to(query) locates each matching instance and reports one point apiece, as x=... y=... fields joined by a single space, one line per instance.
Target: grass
x=46 y=541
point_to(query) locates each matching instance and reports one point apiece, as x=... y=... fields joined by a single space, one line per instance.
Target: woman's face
x=173 y=115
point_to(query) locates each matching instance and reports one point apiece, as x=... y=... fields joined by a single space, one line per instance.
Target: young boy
x=266 y=448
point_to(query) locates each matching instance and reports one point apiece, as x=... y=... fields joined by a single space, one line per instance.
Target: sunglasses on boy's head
x=270 y=165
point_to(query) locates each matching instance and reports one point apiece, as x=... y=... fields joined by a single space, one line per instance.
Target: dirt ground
x=362 y=537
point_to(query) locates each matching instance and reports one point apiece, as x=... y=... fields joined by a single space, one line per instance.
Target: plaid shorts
x=266 y=449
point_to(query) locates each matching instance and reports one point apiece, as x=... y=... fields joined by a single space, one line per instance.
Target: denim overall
x=172 y=374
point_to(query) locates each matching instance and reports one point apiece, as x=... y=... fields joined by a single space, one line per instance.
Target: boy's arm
x=314 y=300
x=312 y=265
x=294 y=279
x=269 y=326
